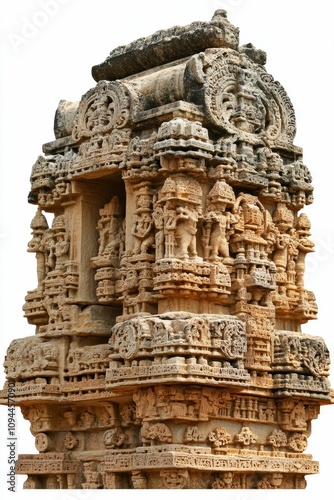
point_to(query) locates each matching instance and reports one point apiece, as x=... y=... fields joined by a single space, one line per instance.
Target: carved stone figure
x=143 y=234
x=39 y=226
x=109 y=226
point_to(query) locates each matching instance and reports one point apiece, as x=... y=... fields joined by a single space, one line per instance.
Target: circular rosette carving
x=126 y=340
x=241 y=98
x=103 y=108
x=43 y=442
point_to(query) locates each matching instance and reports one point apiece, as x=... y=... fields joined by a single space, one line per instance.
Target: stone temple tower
x=170 y=298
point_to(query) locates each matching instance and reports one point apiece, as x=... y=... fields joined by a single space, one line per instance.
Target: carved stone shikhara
x=170 y=295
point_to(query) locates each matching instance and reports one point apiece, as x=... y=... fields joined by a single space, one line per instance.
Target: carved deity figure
x=180 y=199
x=224 y=481
x=218 y=224
x=186 y=219
x=61 y=246
x=87 y=420
x=55 y=245
x=143 y=227
x=99 y=114
x=39 y=227
x=158 y=218
x=250 y=113
x=49 y=251
x=285 y=244
x=70 y=418
x=218 y=221
x=143 y=234
x=304 y=246
x=270 y=481
x=110 y=228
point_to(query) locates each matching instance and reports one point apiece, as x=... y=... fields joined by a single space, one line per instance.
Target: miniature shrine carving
x=170 y=295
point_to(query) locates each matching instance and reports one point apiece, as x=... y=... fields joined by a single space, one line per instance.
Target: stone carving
x=110 y=230
x=246 y=437
x=175 y=479
x=70 y=441
x=224 y=481
x=218 y=222
x=273 y=481
x=33 y=360
x=277 y=439
x=241 y=98
x=92 y=477
x=152 y=434
x=219 y=437
x=114 y=438
x=170 y=296
x=164 y=343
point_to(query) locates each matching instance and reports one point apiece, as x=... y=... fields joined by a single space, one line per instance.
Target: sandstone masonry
x=170 y=293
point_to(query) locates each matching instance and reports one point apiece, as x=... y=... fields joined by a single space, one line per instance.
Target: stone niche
x=168 y=350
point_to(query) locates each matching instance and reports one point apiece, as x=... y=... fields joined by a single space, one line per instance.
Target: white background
x=47 y=54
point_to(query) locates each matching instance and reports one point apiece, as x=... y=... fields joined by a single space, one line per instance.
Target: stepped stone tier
x=170 y=292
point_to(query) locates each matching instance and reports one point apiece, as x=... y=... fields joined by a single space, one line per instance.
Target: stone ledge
x=167 y=45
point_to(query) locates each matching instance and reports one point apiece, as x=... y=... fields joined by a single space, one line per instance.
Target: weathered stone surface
x=166 y=46
x=170 y=290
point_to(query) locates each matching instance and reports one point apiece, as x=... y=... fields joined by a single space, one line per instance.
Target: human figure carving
x=218 y=224
x=186 y=229
x=224 y=481
x=39 y=227
x=62 y=246
x=158 y=217
x=49 y=251
x=110 y=228
x=272 y=481
x=143 y=234
x=304 y=246
x=285 y=246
